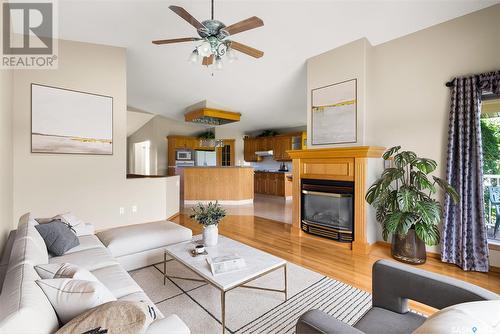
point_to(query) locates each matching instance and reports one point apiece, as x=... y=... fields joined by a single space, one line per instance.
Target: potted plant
x=404 y=198
x=209 y=216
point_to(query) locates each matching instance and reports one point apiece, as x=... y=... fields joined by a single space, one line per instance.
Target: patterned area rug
x=250 y=310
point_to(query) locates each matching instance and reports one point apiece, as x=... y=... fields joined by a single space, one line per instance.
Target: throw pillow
x=78 y=226
x=475 y=317
x=114 y=317
x=58 y=237
x=71 y=297
x=64 y=270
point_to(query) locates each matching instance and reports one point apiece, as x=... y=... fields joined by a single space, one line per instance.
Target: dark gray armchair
x=393 y=284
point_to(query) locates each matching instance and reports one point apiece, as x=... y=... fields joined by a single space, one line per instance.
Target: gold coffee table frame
x=224 y=291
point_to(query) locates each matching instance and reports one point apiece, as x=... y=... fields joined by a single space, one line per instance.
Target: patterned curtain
x=464 y=239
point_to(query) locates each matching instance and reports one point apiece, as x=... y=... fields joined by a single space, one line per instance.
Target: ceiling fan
x=214 y=38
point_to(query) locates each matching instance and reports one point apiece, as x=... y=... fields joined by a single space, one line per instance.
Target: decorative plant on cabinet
x=404 y=198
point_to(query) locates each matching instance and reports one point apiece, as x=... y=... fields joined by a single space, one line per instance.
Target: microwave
x=183 y=155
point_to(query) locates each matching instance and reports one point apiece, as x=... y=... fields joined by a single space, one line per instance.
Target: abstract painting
x=333 y=117
x=70 y=122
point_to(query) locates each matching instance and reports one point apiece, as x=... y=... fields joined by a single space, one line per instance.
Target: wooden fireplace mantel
x=342 y=164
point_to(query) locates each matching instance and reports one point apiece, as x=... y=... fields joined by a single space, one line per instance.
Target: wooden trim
x=494 y=269
x=206 y=112
x=360 y=244
x=494 y=246
x=340 y=152
x=175 y=215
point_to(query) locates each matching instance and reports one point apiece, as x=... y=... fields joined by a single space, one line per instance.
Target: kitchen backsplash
x=268 y=163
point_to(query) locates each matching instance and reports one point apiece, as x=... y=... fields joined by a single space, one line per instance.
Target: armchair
x=393 y=284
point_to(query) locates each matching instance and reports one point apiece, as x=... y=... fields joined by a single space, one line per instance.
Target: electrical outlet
x=134 y=208
x=122 y=210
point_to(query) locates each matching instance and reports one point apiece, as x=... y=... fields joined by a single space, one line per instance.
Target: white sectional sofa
x=24 y=307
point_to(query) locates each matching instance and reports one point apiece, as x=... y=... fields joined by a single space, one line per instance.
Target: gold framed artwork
x=65 y=121
x=334 y=113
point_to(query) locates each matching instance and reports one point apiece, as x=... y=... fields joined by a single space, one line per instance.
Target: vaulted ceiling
x=270 y=91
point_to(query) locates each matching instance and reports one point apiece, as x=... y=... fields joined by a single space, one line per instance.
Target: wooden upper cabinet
x=279 y=144
x=250 y=146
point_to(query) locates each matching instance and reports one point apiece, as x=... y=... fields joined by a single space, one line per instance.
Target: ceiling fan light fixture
x=231 y=55
x=205 y=49
x=218 y=63
x=194 y=57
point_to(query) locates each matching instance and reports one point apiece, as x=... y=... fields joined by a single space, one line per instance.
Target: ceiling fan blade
x=176 y=40
x=208 y=60
x=246 y=49
x=250 y=23
x=186 y=16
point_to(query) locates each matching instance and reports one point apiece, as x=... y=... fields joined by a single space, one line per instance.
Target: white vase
x=210 y=235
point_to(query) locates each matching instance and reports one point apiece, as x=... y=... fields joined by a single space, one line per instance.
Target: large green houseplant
x=404 y=199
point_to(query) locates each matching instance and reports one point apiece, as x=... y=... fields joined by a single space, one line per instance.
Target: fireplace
x=328 y=208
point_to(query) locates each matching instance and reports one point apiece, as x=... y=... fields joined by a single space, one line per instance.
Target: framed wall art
x=66 y=121
x=334 y=114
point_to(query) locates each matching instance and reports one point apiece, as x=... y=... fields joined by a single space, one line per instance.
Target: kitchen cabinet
x=272 y=183
x=249 y=149
x=278 y=144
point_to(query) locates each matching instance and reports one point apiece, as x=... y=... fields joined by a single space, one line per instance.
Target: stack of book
x=227 y=263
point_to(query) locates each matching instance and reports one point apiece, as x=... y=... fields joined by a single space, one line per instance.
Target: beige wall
x=341 y=64
x=156 y=131
x=406 y=100
x=232 y=131
x=93 y=187
x=6 y=221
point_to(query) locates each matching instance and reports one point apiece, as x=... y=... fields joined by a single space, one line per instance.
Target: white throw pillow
x=76 y=223
x=64 y=270
x=71 y=298
x=476 y=317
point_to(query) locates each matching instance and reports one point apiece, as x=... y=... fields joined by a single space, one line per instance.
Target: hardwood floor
x=318 y=255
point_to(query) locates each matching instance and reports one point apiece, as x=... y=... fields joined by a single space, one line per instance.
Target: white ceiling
x=270 y=91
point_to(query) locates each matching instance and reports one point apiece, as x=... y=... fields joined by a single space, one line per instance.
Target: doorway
x=142 y=161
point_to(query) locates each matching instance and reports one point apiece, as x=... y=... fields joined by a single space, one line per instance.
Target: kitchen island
x=228 y=185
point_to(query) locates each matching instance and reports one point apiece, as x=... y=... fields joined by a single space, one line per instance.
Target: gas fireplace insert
x=328 y=209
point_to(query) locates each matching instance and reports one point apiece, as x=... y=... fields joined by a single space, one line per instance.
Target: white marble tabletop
x=257 y=261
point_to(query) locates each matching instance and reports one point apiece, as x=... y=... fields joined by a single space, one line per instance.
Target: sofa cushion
x=463 y=318
x=86 y=242
x=71 y=297
x=171 y=324
x=379 y=320
x=142 y=297
x=79 y=226
x=90 y=259
x=114 y=317
x=28 y=246
x=58 y=237
x=24 y=308
x=141 y=237
x=64 y=270
x=117 y=280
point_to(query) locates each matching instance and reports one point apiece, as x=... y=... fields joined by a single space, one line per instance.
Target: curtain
x=464 y=240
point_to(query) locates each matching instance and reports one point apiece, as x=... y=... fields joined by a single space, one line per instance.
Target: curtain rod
x=449 y=84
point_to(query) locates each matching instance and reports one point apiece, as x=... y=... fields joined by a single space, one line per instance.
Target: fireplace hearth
x=328 y=209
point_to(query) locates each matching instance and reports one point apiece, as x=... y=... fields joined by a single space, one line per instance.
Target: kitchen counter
x=273 y=171
x=228 y=185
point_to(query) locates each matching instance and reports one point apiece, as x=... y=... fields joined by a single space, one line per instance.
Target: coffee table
x=258 y=263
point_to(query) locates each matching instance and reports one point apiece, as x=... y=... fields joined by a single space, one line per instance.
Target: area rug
x=250 y=310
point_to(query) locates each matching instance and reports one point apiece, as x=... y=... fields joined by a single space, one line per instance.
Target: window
x=490 y=133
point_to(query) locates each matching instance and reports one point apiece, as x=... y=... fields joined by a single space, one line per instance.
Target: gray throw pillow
x=57 y=236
